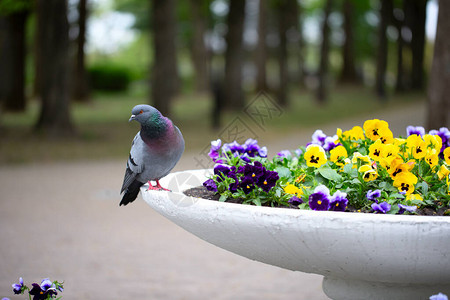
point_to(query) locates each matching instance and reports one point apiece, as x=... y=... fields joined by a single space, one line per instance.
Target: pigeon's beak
x=133 y=117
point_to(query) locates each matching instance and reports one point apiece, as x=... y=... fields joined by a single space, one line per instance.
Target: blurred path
x=63 y=221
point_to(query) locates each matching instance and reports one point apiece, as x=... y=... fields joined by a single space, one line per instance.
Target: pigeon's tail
x=131 y=192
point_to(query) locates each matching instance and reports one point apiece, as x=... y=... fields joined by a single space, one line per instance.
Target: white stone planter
x=362 y=256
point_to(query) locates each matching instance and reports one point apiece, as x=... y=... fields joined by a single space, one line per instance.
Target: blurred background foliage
x=67 y=84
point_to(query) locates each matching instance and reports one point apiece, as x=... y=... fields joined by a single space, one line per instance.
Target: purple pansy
x=222 y=171
x=41 y=292
x=254 y=171
x=284 y=153
x=339 y=201
x=214 y=151
x=403 y=208
x=294 y=200
x=268 y=180
x=383 y=207
x=439 y=296
x=330 y=143
x=419 y=130
x=318 y=137
x=320 y=199
x=444 y=134
x=210 y=185
x=373 y=195
x=18 y=287
x=247 y=184
x=298 y=152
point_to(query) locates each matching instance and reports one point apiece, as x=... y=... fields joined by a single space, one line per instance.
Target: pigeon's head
x=143 y=113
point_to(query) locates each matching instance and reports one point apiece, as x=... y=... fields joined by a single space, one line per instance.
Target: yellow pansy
x=417 y=146
x=369 y=173
x=398 y=168
x=447 y=155
x=405 y=182
x=358 y=157
x=443 y=172
x=432 y=157
x=373 y=127
x=433 y=142
x=386 y=135
x=414 y=197
x=315 y=156
x=376 y=150
x=293 y=190
x=356 y=133
x=338 y=154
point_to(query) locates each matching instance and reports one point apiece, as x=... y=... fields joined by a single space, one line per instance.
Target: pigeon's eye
x=141 y=111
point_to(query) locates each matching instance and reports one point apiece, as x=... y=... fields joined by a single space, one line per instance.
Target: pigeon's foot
x=158 y=187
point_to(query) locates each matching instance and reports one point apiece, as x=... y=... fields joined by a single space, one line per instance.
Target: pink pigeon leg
x=151 y=187
x=159 y=187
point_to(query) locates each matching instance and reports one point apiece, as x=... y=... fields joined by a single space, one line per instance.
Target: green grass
x=103 y=131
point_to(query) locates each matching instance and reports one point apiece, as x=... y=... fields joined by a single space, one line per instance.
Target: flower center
x=405 y=186
x=376 y=152
x=319 y=202
x=375 y=131
x=265 y=182
x=314 y=159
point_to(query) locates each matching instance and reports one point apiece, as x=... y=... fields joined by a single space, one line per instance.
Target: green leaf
x=257 y=201
x=283 y=172
x=223 y=198
x=329 y=174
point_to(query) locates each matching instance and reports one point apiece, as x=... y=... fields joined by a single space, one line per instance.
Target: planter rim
x=356 y=216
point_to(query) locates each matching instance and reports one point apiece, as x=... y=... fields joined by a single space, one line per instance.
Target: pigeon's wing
x=135 y=165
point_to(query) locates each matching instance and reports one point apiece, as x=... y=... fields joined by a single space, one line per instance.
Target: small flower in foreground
x=373 y=195
x=43 y=291
x=439 y=296
x=383 y=207
x=403 y=208
x=320 y=199
x=18 y=287
x=338 y=201
x=315 y=156
x=294 y=200
x=210 y=185
x=419 y=130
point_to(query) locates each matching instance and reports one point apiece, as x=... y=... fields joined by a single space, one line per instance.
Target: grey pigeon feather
x=155 y=150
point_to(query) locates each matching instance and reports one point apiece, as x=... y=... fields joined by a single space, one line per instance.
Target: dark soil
x=202 y=192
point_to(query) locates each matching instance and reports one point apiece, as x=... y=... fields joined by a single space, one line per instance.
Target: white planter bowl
x=362 y=256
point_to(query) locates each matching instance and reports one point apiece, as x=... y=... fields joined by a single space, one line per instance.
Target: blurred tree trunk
x=382 y=52
x=398 y=19
x=12 y=61
x=283 y=75
x=418 y=10
x=438 y=109
x=199 y=52
x=234 y=96
x=324 y=53
x=261 y=49
x=165 y=81
x=81 y=87
x=53 y=43
x=348 y=72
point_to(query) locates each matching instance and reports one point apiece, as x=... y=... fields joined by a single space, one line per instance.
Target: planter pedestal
x=362 y=256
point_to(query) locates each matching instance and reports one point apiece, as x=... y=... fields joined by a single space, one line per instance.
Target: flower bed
x=363 y=169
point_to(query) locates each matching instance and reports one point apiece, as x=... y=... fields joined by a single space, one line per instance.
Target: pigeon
x=155 y=150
